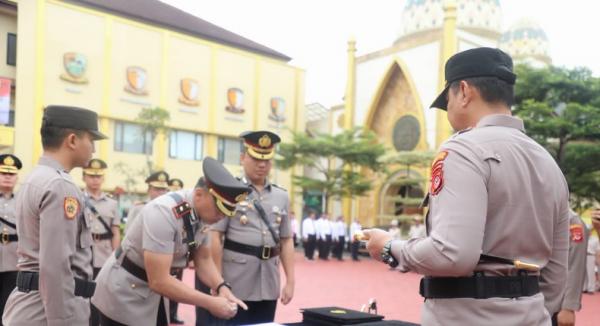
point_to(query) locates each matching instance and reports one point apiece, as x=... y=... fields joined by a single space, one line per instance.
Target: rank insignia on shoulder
x=576 y=231
x=71 y=207
x=437 y=173
x=182 y=209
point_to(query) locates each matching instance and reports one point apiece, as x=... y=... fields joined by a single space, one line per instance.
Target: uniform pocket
x=85 y=233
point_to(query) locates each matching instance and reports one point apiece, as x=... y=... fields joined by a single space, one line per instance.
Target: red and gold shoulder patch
x=576 y=231
x=437 y=173
x=71 y=207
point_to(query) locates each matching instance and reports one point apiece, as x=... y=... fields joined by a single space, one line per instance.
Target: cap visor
x=97 y=135
x=441 y=102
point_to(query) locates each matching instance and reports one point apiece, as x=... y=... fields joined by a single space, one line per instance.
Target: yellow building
x=117 y=57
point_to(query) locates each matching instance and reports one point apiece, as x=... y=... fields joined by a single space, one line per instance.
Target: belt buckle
x=266 y=252
x=95 y=237
x=5 y=239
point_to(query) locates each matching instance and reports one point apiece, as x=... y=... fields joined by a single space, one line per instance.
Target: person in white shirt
x=294 y=226
x=394 y=230
x=339 y=237
x=324 y=231
x=417 y=230
x=309 y=235
x=354 y=228
x=592 y=250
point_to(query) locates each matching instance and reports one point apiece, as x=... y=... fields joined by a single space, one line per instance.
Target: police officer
x=9 y=166
x=55 y=237
x=257 y=237
x=175 y=185
x=571 y=302
x=496 y=250
x=102 y=212
x=134 y=280
x=158 y=184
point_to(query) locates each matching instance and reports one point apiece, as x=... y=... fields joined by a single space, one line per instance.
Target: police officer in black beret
x=54 y=282
x=9 y=167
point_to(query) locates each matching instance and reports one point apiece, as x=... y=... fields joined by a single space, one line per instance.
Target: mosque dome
x=527 y=42
x=482 y=17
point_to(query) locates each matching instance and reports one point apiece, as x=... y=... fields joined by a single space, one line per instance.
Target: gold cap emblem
x=162 y=177
x=264 y=141
x=9 y=161
x=96 y=165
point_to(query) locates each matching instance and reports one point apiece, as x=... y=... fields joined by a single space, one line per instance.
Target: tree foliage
x=154 y=121
x=339 y=160
x=561 y=110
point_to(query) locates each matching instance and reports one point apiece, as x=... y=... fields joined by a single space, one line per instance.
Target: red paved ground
x=350 y=284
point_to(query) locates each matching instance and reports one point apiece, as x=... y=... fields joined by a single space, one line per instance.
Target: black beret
x=260 y=144
x=478 y=62
x=10 y=164
x=226 y=189
x=73 y=118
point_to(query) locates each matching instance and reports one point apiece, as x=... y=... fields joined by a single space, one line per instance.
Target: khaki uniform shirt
x=107 y=209
x=579 y=235
x=122 y=296
x=502 y=194
x=132 y=214
x=8 y=251
x=55 y=240
x=251 y=278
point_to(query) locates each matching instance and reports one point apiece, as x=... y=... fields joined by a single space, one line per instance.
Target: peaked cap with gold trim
x=9 y=164
x=95 y=166
x=159 y=179
x=260 y=144
x=227 y=190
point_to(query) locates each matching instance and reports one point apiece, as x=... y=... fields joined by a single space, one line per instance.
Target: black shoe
x=176 y=321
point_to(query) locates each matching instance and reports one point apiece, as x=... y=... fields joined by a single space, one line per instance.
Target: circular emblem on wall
x=407 y=132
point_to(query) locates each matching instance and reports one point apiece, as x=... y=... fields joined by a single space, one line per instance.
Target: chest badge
x=576 y=233
x=244 y=219
x=71 y=207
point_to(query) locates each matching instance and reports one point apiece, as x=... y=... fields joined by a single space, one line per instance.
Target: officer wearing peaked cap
x=497 y=240
x=9 y=166
x=158 y=184
x=175 y=185
x=103 y=213
x=250 y=245
x=54 y=252
x=134 y=281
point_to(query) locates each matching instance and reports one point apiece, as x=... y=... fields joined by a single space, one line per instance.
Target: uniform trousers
x=161 y=317
x=309 y=246
x=8 y=282
x=354 y=249
x=173 y=305
x=203 y=316
x=338 y=248
x=94 y=314
x=258 y=312
x=325 y=247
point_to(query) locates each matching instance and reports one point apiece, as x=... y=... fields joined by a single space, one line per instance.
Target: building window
x=130 y=138
x=11 y=49
x=229 y=150
x=185 y=145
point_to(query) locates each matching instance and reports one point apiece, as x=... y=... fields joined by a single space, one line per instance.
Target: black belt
x=131 y=267
x=101 y=236
x=8 y=238
x=263 y=252
x=30 y=281
x=479 y=286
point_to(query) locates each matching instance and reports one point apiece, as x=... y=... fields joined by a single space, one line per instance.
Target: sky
x=314 y=33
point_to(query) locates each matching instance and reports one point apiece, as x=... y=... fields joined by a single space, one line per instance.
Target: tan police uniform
x=253 y=278
x=55 y=241
x=107 y=210
x=159 y=179
x=494 y=191
x=579 y=235
x=54 y=249
x=9 y=164
x=122 y=296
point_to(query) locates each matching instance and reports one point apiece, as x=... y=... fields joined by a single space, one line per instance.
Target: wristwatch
x=386 y=255
x=222 y=285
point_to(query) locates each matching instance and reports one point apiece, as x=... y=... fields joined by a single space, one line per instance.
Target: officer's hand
x=376 y=239
x=222 y=308
x=566 y=318
x=190 y=264
x=226 y=293
x=596 y=219
x=287 y=293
